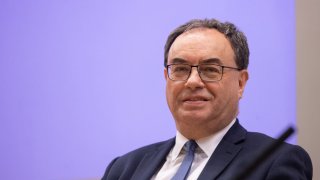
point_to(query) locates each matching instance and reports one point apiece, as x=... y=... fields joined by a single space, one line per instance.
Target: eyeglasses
x=207 y=72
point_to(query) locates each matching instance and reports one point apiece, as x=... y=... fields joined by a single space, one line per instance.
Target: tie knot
x=190 y=146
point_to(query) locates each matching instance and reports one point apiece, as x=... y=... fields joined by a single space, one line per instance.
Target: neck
x=196 y=132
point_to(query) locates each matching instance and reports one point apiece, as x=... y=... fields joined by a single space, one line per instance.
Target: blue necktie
x=185 y=166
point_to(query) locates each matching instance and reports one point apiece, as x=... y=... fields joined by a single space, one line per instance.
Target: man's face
x=202 y=108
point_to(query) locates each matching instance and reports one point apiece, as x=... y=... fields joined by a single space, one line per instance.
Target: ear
x=165 y=72
x=243 y=78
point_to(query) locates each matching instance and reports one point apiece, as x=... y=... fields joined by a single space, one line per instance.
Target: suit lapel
x=152 y=161
x=225 y=152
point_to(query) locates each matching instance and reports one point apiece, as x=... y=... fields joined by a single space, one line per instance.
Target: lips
x=194 y=102
x=195 y=99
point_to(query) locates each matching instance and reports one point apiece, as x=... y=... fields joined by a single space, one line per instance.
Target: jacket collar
x=153 y=161
x=227 y=150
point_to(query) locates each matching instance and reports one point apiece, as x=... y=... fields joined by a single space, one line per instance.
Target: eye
x=180 y=68
x=210 y=69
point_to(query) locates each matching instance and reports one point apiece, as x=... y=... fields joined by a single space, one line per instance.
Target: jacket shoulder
x=148 y=148
x=125 y=166
x=287 y=162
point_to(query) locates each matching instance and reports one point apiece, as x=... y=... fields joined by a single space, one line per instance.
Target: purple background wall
x=81 y=82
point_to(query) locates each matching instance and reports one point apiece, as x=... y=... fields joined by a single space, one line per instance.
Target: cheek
x=172 y=92
x=221 y=91
x=214 y=88
x=228 y=90
x=169 y=94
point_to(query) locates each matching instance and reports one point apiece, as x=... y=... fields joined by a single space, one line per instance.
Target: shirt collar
x=206 y=144
x=180 y=141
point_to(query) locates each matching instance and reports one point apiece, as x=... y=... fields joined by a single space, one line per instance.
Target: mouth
x=196 y=99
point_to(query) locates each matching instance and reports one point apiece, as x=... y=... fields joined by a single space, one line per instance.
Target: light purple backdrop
x=81 y=81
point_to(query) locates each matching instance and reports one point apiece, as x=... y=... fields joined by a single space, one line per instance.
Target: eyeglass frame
x=197 y=66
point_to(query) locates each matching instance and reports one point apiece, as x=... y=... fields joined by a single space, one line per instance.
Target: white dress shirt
x=205 y=149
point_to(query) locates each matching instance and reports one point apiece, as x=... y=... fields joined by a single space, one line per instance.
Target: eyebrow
x=206 y=61
x=211 y=61
x=179 y=61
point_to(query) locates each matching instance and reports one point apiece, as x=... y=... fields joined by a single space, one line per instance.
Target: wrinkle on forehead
x=200 y=41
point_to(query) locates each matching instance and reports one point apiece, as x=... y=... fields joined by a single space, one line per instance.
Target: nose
x=194 y=81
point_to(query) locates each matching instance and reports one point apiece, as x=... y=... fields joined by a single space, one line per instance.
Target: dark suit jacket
x=237 y=149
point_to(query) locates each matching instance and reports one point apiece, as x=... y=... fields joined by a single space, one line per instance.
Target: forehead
x=200 y=44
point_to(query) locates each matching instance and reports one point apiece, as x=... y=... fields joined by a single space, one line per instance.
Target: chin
x=193 y=117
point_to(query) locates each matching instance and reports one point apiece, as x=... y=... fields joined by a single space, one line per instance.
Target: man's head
x=200 y=106
x=236 y=38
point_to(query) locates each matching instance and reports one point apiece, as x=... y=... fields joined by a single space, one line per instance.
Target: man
x=206 y=72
